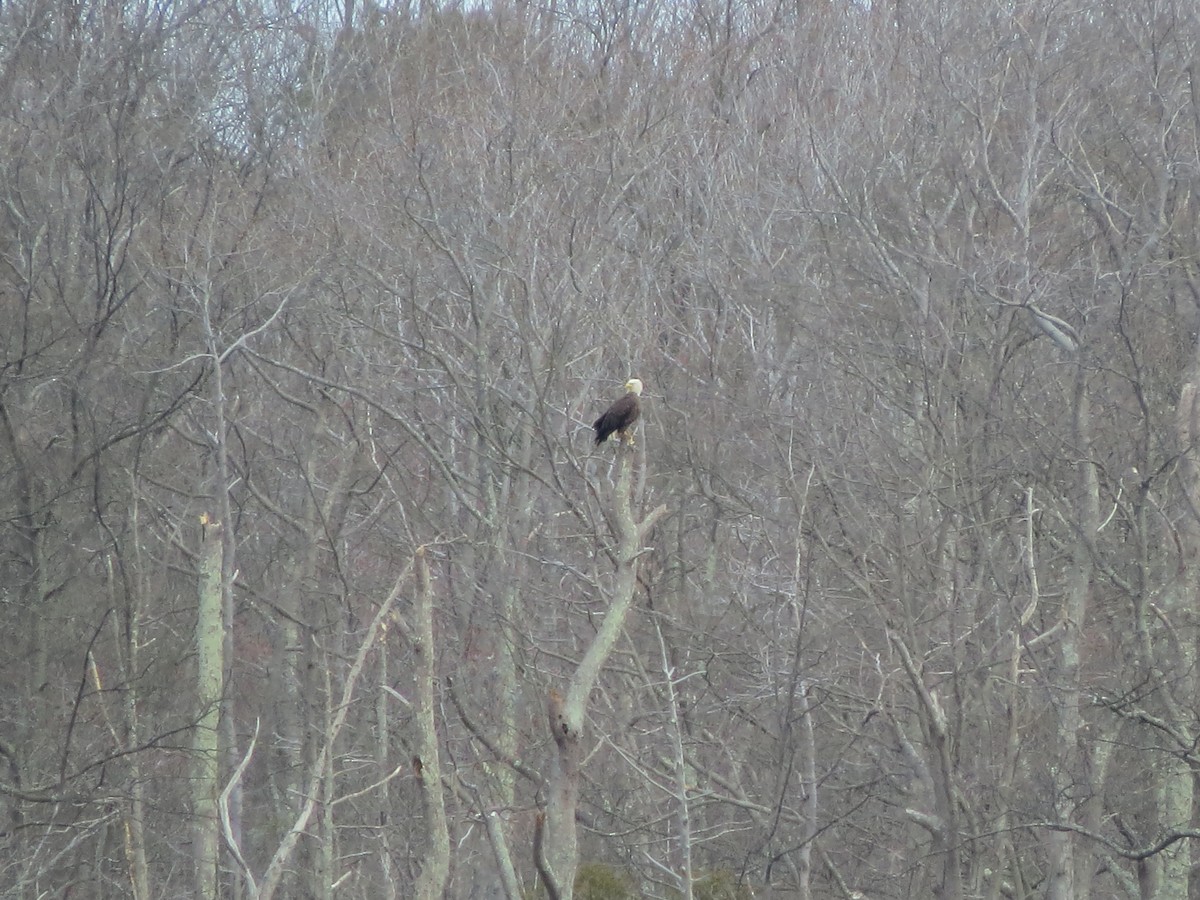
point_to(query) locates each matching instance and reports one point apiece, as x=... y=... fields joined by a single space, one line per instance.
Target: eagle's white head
x=634 y=385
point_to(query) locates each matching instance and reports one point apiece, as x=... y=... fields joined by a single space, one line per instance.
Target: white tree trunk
x=210 y=674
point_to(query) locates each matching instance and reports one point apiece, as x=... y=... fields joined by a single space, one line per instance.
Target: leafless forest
x=313 y=584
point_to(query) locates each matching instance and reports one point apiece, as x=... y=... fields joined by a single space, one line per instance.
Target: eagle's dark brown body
x=621 y=415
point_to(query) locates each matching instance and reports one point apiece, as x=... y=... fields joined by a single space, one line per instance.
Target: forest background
x=313 y=585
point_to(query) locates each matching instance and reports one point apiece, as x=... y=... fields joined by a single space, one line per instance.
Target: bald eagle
x=621 y=415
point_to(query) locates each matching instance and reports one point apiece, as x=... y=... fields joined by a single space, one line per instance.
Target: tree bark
x=210 y=675
x=557 y=852
x=435 y=868
x=1070 y=872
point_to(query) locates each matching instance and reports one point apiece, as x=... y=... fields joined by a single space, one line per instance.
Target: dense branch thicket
x=913 y=289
